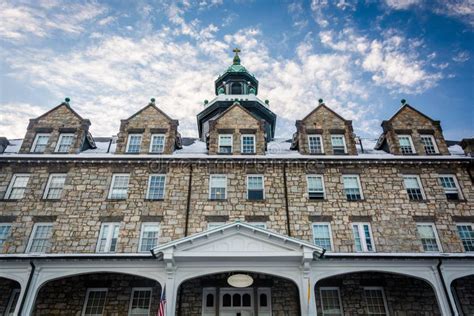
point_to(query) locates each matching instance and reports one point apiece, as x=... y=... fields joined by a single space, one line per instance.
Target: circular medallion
x=240 y=280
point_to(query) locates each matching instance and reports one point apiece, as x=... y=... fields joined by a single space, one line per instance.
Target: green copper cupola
x=236 y=80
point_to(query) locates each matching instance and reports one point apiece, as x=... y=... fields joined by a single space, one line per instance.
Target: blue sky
x=361 y=57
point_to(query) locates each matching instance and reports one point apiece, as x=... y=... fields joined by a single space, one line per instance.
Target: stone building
x=236 y=222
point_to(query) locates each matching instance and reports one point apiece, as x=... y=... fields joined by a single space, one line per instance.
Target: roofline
x=155 y=107
x=406 y=105
x=56 y=107
x=326 y=107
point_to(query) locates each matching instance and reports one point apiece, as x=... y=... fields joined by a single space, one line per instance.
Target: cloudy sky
x=360 y=56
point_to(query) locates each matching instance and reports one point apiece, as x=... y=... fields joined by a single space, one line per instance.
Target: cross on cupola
x=236 y=57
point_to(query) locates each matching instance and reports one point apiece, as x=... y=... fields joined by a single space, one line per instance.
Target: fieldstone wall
x=61 y=119
x=149 y=120
x=236 y=121
x=464 y=288
x=6 y=288
x=404 y=295
x=67 y=296
x=324 y=121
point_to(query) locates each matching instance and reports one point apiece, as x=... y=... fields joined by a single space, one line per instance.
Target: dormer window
x=338 y=144
x=225 y=144
x=236 y=88
x=248 y=144
x=429 y=144
x=64 y=143
x=315 y=144
x=41 y=140
x=134 y=142
x=406 y=144
x=157 y=144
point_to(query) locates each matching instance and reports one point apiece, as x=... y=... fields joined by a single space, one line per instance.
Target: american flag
x=161 y=309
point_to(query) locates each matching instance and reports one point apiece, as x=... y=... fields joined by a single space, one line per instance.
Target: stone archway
x=9 y=296
x=463 y=290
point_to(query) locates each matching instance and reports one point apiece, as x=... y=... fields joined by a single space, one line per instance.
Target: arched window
x=246 y=300
x=210 y=300
x=226 y=300
x=236 y=300
x=263 y=300
x=236 y=88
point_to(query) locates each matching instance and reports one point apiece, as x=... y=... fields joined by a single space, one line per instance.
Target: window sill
x=217 y=200
x=317 y=200
x=360 y=200
x=50 y=200
x=154 y=200
x=256 y=200
x=10 y=200
x=116 y=199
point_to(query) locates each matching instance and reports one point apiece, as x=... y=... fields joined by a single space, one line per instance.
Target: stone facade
x=6 y=289
x=465 y=294
x=146 y=122
x=325 y=122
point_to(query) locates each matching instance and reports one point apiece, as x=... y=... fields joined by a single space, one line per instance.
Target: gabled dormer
x=324 y=132
x=236 y=132
x=149 y=131
x=410 y=132
x=60 y=130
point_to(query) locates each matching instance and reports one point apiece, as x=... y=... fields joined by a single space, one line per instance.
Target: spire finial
x=67 y=100
x=152 y=100
x=403 y=101
x=236 y=57
x=321 y=101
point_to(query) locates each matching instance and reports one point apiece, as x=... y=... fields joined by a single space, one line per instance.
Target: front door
x=236 y=302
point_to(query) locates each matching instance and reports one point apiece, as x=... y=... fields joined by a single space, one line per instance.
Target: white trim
x=32 y=149
x=265 y=310
x=363 y=243
x=142 y=230
x=330 y=234
x=343 y=142
x=225 y=187
x=12 y=182
x=219 y=143
x=263 y=185
x=149 y=182
x=231 y=291
x=418 y=179
x=456 y=183
x=127 y=150
x=379 y=288
x=48 y=184
x=254 y=150
x=320 y=140
x=208 y=311
x=435 y=232
x=330 y=288
x=94 y=289
x=33 y=233
x=110 y=236
x=322 y=182
x=113 y=182
x=151 y=143
x=58 y=144
x=262 y=225
x=433 y=140
x=138 y=289
x=411 y=143
x=358 y=183
x=9 y=310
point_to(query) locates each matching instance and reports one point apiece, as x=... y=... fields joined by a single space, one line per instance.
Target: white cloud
x=461 y=57
x=401 y=4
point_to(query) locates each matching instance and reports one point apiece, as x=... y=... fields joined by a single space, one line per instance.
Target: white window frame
x=435 y=232
x=211 y=310
x=10 y=310
x=378 y=288
x=214 y=225
x=433 y=140
x=127 y=150
x=320 y=140
x=263 y=186
x=358 y=183
x=9 y=225
x=330 y=234
x=33 y=234
x=58 y=145
x=418 y=179
x=231 y=143
x=142 y=231
x=37 y=136
x=96 y=289
x=456 y=183
x=330 y=288
x=363 y=242
x=149 y=185
x=110 y=236
x=264 y=310
x=254 y=149
x=12 y=182
x=142 y=289
x=411 y=143
x=457 y=228
x=113 y=182
x=343 y=141
x=48 y=185
x=322 y=183
x=210 y=187
x=151 y=143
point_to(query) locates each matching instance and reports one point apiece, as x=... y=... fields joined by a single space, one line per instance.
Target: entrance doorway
x=236 y=301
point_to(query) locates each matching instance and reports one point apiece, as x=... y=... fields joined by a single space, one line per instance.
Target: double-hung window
x=255 y=187
x=429 y=237
x=5 y=230
x=466 y=233
x=16 y=188
x=119 y=186
x=149 y=236
x=140 y=301
x=218 y=187
x=363 y=240
x=413 y=186
x=108 y=237
x=156 y=187
x=40 y=142
x=315 y=185
x=375 y=301
x=134 y=143
x=331 y=301
x=225 y=143
x=406 y=145
x=315 y=144
x=322 y=235
x=157 y=144
x=40 y=239
x=429 y=143
x=352 y=188
x=95 y=302
x=338 y=144
x=54 y=187
x=450 y=186
x=248 y=144
x=64 y=143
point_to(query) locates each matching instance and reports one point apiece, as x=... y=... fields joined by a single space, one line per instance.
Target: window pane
x=255 y=187
x=330 y=302
x=413 y=188
x=322 y=236
x=368 y=240
x=65 y=142
x=40 y=241
x=55 y=187
x=315 y=187
x=405 y=145
x=4 y=234
x=156 y=190
x=134 y=142
x=140 y=304
x=225 y=144
x=157 y=143
x=466 y=233
x=149 y=236
x=315 y=146
x=95 y=303
x=351 y=188
x=218 y=187
x=337 y=142
x=428 y=144
x=357 y=241
x=428 y=237
x=248 y=144
x=450 y=188
x=119 y=187
x=41 y=142
x=18 y=186
x=375 y=302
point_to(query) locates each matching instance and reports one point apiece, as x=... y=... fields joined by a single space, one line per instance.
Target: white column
x=171 y=295
x=441 y=295
x=307 y=302
x=30 y=296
